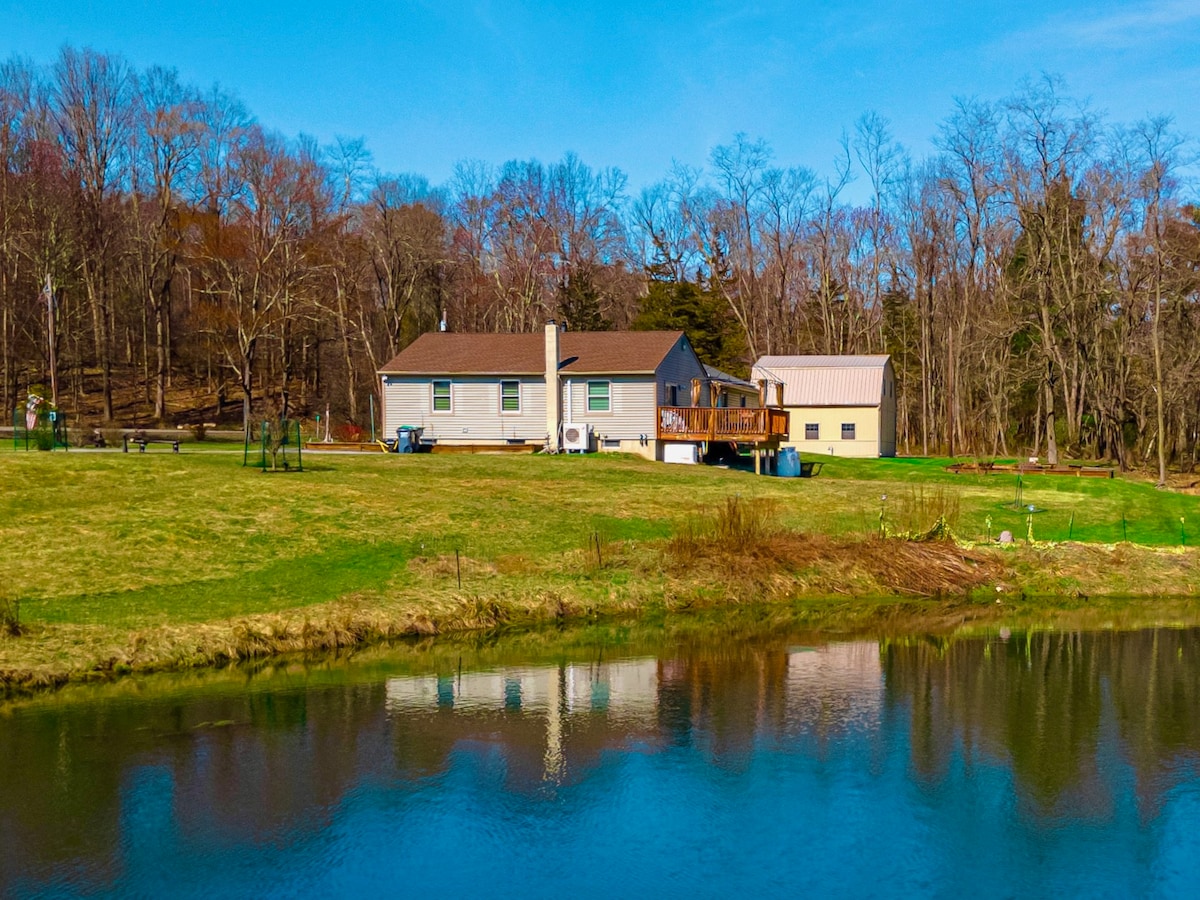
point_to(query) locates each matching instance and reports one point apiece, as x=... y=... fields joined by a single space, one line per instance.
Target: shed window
x=441 y=396
x=510 y=396
x=598 y=396
x=847 y=431
x=812 y=431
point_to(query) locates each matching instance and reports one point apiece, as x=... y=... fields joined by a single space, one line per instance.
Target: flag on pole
x=33 y=405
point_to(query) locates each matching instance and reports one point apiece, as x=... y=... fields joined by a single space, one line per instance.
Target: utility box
x=688 y=454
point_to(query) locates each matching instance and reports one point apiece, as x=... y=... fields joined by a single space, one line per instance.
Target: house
x=633 y=392
x=840 y=405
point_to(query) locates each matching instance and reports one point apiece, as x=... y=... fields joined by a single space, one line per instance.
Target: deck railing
x=706 y=423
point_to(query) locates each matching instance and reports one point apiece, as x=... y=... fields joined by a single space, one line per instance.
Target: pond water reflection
x=1027 y=763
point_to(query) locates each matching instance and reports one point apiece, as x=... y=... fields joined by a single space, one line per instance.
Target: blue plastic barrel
x=789 y=463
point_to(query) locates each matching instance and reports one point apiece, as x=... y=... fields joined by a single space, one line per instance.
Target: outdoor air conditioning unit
x=577 y=438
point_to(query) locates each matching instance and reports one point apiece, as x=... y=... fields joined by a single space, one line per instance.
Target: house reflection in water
x=580 y=710
x=552 y=723
x=835 y=687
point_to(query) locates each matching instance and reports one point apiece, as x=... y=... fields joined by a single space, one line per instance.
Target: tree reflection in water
x=1078 y=723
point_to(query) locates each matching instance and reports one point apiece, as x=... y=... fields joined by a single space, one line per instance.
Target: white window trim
x=433 y=397
x=853 y=426
x=510 y=412
x=815 y=437
x=587 y=396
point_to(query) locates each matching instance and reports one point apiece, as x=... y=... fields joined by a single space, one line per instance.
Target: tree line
x=1036 y=279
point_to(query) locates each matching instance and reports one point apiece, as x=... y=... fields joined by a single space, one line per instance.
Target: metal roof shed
x=839 y=405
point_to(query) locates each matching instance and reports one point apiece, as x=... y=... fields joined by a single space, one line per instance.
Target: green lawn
x=141 y=539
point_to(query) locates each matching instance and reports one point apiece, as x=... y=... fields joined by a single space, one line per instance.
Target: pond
x=679 y=762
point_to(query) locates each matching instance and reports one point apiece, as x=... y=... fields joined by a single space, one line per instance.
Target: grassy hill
x=157 y=559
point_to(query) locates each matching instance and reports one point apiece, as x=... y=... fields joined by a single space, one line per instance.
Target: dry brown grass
x=742 y=546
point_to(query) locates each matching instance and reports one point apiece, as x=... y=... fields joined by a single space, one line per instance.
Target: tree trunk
x=1160 y=417
x=247 y=379
x=1051 y=438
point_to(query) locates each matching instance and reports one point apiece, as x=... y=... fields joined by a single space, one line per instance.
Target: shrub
x=10 y=616
x=348 y=433
x=923 y=511
x=735 y=528
x=43 y=437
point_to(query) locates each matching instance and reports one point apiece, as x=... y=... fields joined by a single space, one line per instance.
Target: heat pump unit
x=577 y=438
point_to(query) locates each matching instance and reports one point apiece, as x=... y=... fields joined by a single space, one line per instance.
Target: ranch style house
x=642 y=392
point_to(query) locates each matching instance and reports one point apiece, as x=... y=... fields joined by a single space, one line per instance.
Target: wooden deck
x=737 y=424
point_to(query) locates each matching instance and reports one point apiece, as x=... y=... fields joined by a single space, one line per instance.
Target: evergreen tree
x=579 y=304
x=701 y=315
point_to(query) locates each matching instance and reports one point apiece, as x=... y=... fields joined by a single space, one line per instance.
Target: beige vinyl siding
x=475 y=415
x=830 y=420
x=632 y=406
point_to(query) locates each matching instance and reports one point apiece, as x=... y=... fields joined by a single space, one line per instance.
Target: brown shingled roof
x=581 y=353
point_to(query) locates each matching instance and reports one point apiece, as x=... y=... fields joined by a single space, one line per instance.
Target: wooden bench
x=142 y=441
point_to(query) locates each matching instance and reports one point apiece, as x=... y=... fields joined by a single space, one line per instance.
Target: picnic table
x=142 y=441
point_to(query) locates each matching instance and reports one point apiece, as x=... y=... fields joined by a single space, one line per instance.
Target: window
x=441 y=396
x=847 y=431
x=510 y=396
x=812 y=431
x=598 y=396
x=672 y=395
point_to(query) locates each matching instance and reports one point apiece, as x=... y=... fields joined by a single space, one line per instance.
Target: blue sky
x=631 y=83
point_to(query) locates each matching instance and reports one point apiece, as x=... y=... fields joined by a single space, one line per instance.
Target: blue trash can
x=408 y=438
x=789 y=463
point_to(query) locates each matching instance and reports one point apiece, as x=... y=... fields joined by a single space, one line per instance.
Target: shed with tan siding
x=839 y=405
